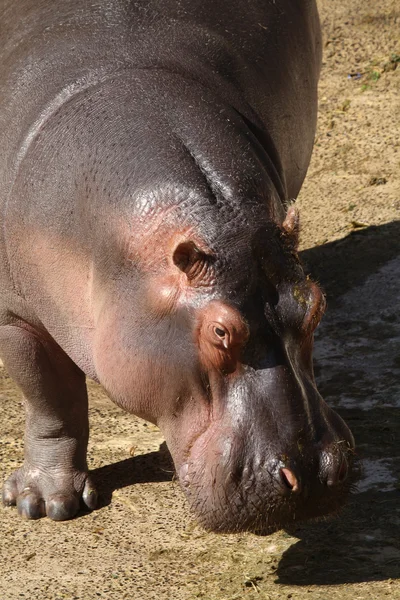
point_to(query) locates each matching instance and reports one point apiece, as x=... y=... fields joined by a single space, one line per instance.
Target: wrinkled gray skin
x=149 y=152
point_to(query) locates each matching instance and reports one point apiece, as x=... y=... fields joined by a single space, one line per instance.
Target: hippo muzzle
x=276 y=453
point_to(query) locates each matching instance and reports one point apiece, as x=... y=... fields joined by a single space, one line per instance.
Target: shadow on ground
x=361 y=546
x=146 y=468
x=338 y=266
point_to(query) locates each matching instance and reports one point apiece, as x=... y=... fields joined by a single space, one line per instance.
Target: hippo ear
x=291 y=226
x=191 y=260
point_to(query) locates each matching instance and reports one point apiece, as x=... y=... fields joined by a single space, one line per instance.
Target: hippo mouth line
x=257 y=514
x=183 y=469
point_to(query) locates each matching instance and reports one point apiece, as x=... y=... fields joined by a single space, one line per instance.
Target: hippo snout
x=265 y=497
x=248 y=474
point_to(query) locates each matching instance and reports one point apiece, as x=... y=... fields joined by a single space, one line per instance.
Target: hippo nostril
x=335 y=468
x=289 y=479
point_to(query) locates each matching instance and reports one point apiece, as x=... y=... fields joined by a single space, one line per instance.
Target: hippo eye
x=222 y=335
x=220 y=332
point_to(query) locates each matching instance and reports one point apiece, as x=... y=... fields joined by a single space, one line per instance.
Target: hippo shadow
x=154 y=467
x=361 y=546
x=343 y=264
x=363 y=543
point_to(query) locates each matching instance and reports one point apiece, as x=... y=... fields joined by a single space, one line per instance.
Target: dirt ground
x=143 y=543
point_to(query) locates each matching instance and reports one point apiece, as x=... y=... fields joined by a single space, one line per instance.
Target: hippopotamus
x=151 y=152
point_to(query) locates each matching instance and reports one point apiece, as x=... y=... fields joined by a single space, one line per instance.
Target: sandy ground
x=143 y=543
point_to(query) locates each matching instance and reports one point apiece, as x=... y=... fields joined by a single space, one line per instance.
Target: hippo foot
x=38 y=494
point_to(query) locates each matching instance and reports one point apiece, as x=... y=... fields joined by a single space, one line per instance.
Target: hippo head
x=222 y=362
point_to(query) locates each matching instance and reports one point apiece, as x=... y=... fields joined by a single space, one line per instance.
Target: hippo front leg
x=53 y=477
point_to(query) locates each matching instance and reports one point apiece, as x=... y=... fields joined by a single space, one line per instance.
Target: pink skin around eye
x=222 y=333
